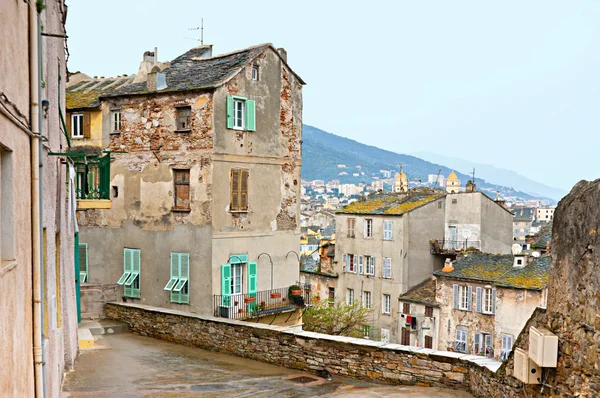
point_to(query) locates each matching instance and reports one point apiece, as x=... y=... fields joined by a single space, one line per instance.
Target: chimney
x=448 y=267
x=149 y=57
x=283 y=54
x=156 y=80
x=520 y=261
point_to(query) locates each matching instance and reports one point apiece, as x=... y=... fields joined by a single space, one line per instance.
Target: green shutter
x=229 y=112
x=174 y=272
x=136 y=269
x=132 y=267
x=182 y=286
x=250 y=115
x=226 y=284
x=83 y=262
x=252 y=279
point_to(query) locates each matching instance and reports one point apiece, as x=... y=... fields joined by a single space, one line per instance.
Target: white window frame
x=255 y=72
x=460 y=342
x=361 y=264
x=386 y=306
x=368 y=227
x=370 y=265
x=507 y=345
x=385 y=335
x=387 y=268
x=237 y=112
x=237 y=271
x=388 y=226
x=486 y=298
x=367 y=300
x=350 y=296
x=77 y=125
x=115 y=121
x=463 y=298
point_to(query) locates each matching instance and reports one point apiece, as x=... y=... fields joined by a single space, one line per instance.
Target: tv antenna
x=473 y=176
x=201 y=29
x=437 y=179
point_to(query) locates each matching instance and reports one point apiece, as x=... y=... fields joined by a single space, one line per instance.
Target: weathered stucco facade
x=19 y=213
x=151 y=146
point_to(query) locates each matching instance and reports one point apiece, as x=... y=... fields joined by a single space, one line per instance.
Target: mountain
x=322 y=152
x=498 y=175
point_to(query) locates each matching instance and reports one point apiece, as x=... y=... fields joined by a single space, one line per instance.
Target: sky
x=515 y=84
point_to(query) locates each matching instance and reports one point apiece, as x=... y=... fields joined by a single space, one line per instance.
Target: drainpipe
x=36 y=230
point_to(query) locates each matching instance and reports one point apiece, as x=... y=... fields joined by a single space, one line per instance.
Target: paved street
x=136 y=366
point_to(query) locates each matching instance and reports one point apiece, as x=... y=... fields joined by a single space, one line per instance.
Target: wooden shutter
x=127 y=267
x=252 y=279
x=478 y=299
x=135 y=264
x=428 y=342
x=229 y=112
x=455 y=296
x=250 y=115
x=470 y=298
x=226 y=285
x=69 y=132
x=235 y=194
x=86 y=125
x=244 y=190
x=493 y=301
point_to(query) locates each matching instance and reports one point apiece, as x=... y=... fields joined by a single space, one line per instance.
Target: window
x=485 y=300
x=361 y=264
x=350 y=296
x=239 y=190
x=428 y=342
x=351 y=224
x=405 y=337
x=367 y=331
x=349 y=261
x=83 y=262
x=77 y=125
x=460 y=343
x=241 y=113
x=406 y=308
x=429 y=311
x=368 y=228
x=462 y=296
x=439 y=204
x=387 y=230
x=332 y=295
x=387 y=304
x=454 y=201
x=385 y=335
x=183 y=115
x=115 y=121
x=507 y=343
x=180 y=274
x=255 y=69
x=367 y=300
x=131 y=273
x=7 y=209
x=237 y=274
x=387 y=267
x=370 y=265
x=182 y=190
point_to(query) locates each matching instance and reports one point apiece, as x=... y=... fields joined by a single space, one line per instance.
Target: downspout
x=36 y=230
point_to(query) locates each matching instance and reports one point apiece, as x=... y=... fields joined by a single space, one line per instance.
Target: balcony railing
x=263 y=303
x=92 y=179
x=440 y=246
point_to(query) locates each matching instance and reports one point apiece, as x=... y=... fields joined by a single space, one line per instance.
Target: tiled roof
x=423 y=293
x=498 y=269
x=543 y=236
x=392 y=203
x=522 y=219
x=86 y=93
x=328 y=230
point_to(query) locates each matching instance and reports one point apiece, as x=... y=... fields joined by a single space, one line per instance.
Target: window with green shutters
x=226 y=285
x=83 y=262
x=241 y=113
x=131 y=273
x=178 y=284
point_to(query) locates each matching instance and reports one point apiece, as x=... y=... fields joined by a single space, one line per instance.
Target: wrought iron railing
x=253 y=305
x=93 y=177
x=448 y=246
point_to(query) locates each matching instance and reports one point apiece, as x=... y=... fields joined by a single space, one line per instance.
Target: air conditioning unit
x=543 y=347
x=525 y=369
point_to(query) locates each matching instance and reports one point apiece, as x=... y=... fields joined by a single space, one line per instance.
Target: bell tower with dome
x=453 y=183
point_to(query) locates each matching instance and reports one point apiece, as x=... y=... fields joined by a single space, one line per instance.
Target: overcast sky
x=515 y=84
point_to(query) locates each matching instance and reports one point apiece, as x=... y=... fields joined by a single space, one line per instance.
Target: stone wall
x=94 y=296
x=297 y=349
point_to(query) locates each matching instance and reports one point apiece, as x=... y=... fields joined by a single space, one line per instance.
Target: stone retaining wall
x=297 y=349
x=94 y=296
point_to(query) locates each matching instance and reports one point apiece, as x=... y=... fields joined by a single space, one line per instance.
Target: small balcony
x=259 y=304
x=450 y=247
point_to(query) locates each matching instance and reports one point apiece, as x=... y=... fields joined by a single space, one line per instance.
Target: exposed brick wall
x=297 y=349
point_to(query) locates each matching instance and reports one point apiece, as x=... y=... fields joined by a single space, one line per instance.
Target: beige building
x=419 y=321
x=544 y=213
x=453 y=183
x=38 y=315
x=486 y=299
x=204 y=181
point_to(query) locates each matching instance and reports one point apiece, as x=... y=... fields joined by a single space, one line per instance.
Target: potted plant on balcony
x=295 y=294
x=275 y=295
x=249 y=299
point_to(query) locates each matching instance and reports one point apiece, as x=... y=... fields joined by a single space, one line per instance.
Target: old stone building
x=420 y=316
x=204 y=178
x=486 y=299
x=38 y=315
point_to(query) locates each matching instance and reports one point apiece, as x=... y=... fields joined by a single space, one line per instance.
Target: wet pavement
x=136 y=366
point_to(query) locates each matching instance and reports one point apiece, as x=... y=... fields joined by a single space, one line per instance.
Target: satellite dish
x=467 y=233
x=516 y=249
x=535 y=254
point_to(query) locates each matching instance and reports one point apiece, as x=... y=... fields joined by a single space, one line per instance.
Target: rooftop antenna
x=437 y=179
x=201 y=29
x=473 y=175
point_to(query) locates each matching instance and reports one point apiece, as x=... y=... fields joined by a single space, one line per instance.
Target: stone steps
x=104 y=326
x=86 y=339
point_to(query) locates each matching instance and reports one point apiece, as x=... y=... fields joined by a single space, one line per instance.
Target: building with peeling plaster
x=204 y=179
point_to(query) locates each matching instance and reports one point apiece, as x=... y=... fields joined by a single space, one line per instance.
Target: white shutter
x=455 y=296
x=478 y=296
x=470 y=298
x=345 y=262
x=361 y=264
x=365 y=222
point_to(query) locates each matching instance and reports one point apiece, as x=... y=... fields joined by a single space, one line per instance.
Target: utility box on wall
x=543 y=347
x=525 y=369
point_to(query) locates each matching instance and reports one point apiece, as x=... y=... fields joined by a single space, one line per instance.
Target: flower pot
x=296 y=292
x=239 y=310
x=249 y=299
x=275 y=295
x=235 y=303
